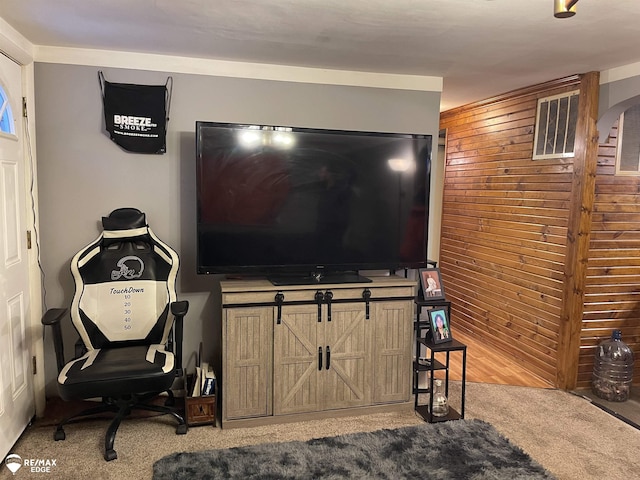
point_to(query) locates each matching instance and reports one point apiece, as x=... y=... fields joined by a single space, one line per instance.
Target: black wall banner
x=136 y=116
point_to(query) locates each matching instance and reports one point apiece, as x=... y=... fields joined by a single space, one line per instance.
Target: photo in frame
x=431 y=283
x=440 y=328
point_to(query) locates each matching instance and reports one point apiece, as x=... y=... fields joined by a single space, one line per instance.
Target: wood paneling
x=541 y=259
x=612 y=291
x=505 y=228
x=579 y=232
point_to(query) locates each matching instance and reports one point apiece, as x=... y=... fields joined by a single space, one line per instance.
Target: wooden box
x=200 y=410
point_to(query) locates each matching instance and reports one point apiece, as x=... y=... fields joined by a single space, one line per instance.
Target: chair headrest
x=124 y=219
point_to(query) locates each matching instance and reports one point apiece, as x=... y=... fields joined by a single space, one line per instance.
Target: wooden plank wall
x=612 y=293
x=504 y=227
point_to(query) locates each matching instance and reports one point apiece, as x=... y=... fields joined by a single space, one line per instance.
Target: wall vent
x=556 y=126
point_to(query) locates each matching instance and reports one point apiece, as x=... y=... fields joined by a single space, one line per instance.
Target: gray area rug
x=463 y=449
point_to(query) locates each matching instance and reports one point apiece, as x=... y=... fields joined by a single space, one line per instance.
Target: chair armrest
x=52 y=318
x=179 y=310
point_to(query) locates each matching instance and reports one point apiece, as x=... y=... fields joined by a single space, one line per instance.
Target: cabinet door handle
x=319 y=299
x=319 y=358
x=328 y=357
x=366 y=294
x=279 y=299
x=327 y=298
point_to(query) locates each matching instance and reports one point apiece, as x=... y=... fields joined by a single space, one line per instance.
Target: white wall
x=619 y=90
x=83 y=175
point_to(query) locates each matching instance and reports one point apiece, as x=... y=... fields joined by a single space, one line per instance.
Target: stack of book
x=204 y=382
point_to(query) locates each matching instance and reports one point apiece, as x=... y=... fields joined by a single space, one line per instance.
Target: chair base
x=122 y=407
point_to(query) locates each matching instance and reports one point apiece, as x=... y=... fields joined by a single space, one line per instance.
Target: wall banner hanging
x=136 y=116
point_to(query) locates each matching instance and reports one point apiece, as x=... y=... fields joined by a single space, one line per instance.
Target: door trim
x=20 y=50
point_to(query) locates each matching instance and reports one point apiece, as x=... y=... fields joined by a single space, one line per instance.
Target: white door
x=17 y=404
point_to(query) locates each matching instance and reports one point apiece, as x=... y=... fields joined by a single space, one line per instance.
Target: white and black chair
x=129 y=322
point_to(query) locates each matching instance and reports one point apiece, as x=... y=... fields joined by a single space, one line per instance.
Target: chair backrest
x=125 y=282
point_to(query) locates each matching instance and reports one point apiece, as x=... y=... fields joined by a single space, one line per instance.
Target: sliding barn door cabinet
x=302 y=352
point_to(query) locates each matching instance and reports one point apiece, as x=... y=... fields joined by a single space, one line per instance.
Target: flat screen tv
x=302 y=205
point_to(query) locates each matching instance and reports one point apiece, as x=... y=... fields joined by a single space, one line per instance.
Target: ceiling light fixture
x=564 y=8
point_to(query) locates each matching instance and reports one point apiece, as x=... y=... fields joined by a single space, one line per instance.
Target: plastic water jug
x=613 y=369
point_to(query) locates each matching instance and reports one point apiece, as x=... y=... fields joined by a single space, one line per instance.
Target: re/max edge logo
x=129 y=122
x=35 y=465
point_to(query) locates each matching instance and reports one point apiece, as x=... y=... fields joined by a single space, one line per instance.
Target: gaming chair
x=129 y=323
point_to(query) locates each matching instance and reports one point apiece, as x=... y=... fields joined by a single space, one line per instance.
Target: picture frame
x=431 y=284
x=440 y=327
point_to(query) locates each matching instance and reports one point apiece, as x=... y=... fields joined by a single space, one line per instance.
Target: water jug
x=613 y=369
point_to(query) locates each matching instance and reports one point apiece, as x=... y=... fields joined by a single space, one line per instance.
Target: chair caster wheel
x=59 y=434
x=181 y=429
x=110 y=455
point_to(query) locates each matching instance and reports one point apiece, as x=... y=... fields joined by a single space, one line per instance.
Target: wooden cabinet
x=393 y=350
x=321 y=364
x=247 y=371
x=297 y=352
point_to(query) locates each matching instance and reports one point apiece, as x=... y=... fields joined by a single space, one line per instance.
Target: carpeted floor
x=566 y=434
x=452 y=450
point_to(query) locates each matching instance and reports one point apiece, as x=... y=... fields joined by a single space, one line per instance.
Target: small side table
x=431 y=366
x=422 y=328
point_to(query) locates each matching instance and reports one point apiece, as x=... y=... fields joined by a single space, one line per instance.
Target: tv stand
x=318 y=278
x=307 y=352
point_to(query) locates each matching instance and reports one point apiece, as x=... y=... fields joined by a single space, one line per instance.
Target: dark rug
x=463 y=449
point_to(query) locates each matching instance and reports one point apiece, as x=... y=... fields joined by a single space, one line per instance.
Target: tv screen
x=297 y=201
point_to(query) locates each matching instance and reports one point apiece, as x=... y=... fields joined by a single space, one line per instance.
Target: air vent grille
x=556 y=126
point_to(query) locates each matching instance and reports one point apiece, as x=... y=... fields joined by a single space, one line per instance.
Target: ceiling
x=480 y=48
